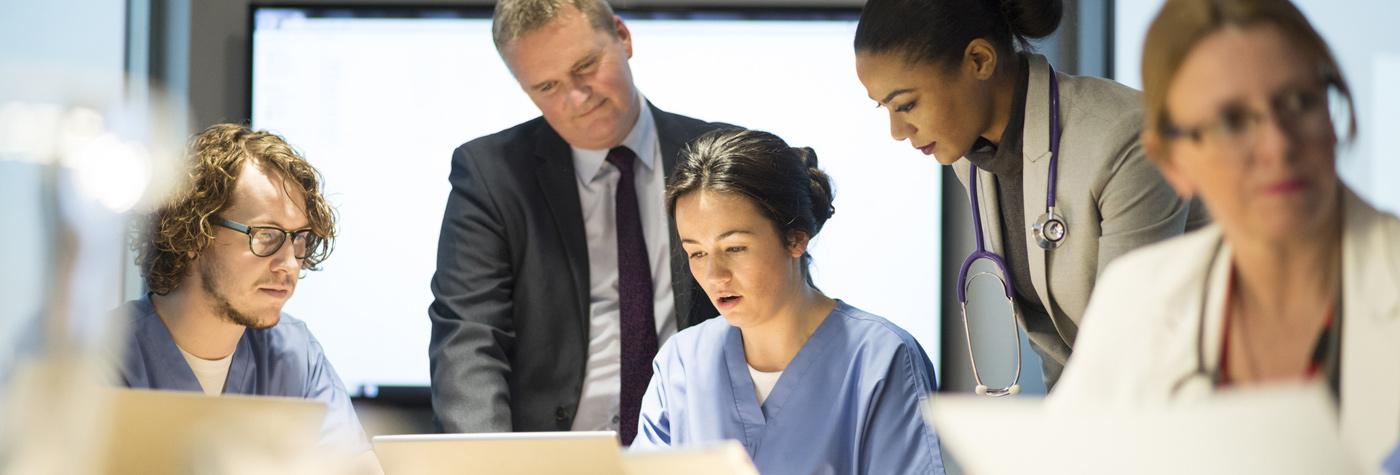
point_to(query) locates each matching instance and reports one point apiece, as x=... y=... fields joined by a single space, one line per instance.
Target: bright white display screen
x=379 y=103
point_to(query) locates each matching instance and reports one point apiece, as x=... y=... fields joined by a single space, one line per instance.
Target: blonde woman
x=1297 y=280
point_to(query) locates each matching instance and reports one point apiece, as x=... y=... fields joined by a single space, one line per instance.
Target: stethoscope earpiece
x=983 y=390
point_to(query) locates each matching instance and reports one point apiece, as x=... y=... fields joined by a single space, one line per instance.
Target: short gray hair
x=514 y=18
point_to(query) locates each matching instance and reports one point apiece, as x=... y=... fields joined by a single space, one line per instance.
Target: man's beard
x=222 y=307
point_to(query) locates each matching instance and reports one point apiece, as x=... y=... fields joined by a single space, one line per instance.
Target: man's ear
x=623 y=34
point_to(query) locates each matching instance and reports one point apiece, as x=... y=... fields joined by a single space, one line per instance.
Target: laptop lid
x=519 y=453
x=1279 y=430
x=728 y=457
x=173 y=432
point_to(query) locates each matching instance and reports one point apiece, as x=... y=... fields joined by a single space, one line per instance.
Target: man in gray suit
x=558 y=272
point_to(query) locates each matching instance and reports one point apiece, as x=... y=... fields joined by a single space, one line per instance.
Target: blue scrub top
x=284 y=360
x=848 y=403
x=1392 y=462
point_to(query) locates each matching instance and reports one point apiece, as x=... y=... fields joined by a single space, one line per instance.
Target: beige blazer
x=1140 y=338
x=1111 y=197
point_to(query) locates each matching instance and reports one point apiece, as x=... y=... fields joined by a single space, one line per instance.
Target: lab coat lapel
x=1370 y=392
x=1196 y=336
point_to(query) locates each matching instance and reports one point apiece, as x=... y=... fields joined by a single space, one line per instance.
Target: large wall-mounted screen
x=377 y=99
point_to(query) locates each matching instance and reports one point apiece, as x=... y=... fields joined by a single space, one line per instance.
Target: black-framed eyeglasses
x=265 y=241
x=1300 y=111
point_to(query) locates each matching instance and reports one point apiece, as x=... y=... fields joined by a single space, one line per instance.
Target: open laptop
x=171 y=432
x=1282 y=430
x=519 y=453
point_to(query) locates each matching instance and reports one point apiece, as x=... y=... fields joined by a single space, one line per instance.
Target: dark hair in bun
x=819 y=187
x=938 y=31
x=784 y=182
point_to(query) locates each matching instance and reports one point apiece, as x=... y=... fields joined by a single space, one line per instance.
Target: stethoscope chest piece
x=1050 y=230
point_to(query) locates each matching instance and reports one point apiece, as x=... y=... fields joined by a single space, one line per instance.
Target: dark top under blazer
x=511 y=292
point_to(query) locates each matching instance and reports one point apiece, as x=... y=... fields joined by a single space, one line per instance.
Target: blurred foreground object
x=73 y=166
x=1283 y=429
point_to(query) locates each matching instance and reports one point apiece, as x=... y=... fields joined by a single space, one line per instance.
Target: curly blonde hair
x=179 y=230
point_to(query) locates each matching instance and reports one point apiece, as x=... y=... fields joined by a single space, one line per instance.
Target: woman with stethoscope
x=1058 y=184
x=1300 y=279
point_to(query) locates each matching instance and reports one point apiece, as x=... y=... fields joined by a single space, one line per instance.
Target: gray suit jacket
x=510 y=295
x=1111 y=197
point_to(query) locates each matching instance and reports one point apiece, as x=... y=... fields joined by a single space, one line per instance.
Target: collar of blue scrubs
x=755 y=416
x=153 y=340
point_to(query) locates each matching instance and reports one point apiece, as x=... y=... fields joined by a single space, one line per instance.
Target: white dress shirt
x=597 y=192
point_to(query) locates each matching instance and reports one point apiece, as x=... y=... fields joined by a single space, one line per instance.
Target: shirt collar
x=588 y=163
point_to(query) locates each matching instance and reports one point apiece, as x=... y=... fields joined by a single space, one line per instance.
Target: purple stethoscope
x=1049 y=231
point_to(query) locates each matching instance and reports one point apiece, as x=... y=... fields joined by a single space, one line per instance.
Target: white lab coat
x=1140 y=334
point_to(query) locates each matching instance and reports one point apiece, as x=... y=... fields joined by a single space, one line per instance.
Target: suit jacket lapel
x=987 y=204
x=556 y=175
x=1036 y=180
x=673 y=137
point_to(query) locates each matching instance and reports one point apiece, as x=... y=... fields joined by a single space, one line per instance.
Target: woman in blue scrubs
x=806 y=383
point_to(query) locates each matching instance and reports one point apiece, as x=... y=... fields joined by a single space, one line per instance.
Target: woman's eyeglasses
x=1301 y=112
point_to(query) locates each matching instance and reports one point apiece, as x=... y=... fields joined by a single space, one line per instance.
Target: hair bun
x=819 y=186
x=1032 y=19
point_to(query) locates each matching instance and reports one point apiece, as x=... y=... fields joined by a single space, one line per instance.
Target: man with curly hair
x=220 y=258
